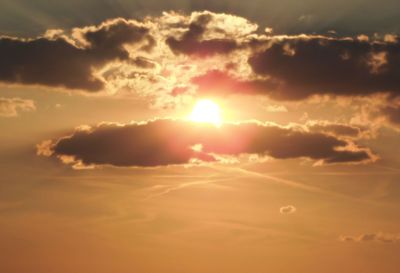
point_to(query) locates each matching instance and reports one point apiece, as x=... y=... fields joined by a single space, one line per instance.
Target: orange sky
x=105 y=166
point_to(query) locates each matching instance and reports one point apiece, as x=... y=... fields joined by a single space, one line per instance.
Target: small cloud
x=306 y=18
x=379 y=237
x=363 y=38
x=287 y=209
x=391 y=38
x=11 y=107
x=276 y=108
x=268 y=30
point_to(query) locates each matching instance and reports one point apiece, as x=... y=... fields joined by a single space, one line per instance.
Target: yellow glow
x=206 y=111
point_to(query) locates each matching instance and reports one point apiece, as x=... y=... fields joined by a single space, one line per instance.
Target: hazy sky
x=290 y=162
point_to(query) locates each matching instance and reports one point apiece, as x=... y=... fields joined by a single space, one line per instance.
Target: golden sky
x=199 y=137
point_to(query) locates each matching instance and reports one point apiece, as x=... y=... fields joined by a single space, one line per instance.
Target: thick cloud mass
x=203 y=52
x=61 y=62
x=170 y=58
x=168 y=142
x=298 y=67
x=306 y=66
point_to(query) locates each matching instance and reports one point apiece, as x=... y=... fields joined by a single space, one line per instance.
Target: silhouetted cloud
x=10 y=107
x=65 y=61
x=175 y=57
x=168 y=142
x=298 y=67
x=192 y=42
x=308 y=65
x=233 y=58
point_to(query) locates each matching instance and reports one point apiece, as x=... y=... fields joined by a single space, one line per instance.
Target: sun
x=207 y=111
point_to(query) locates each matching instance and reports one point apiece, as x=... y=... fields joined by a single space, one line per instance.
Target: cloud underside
x=296 y=68
x=172 y=142
x=240 y=59
x=59 y=60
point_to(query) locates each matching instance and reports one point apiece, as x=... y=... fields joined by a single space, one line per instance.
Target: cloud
x=376 y=112
x=202 y=53
x=372 y=237
x=337 y=129
x=305 y=65
x=392 y=114
x=217 y=82
x=287 y=209
x=192 y=41
x=10 y=107
x=59 y=60
x=298 y=67
x=165 y=142
x=276 y=108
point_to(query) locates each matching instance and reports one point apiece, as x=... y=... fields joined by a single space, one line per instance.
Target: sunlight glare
x=207 y=111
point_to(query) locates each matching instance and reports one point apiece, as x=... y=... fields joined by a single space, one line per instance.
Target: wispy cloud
x=379 y=237
x=288 y=209
x=11 y=107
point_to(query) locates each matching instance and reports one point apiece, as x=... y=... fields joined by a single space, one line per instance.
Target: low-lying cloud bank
x=165 y=142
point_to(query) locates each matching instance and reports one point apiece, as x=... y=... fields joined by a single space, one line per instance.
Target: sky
x=199 y=136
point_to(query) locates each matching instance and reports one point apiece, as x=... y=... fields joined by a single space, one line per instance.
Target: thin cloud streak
x=186 y=185
x=299 y=185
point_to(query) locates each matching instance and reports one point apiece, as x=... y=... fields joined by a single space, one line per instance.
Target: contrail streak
x=186 y=185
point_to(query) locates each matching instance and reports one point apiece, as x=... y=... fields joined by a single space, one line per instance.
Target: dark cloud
x=281 y=67
x=168 y=142
x=62 y=62
x=297 y=67
x=306 y=66
x=192 y=43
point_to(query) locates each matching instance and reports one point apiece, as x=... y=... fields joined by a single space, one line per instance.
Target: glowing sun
x=206 y=111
